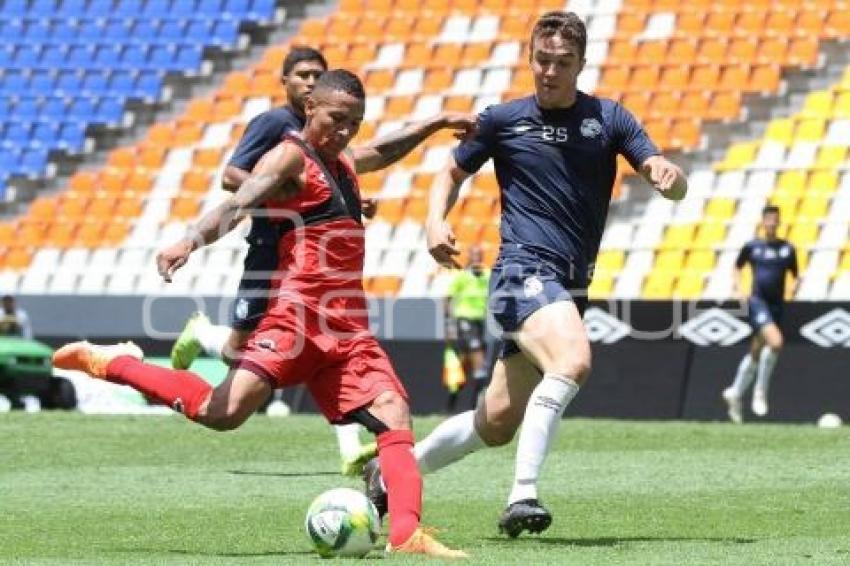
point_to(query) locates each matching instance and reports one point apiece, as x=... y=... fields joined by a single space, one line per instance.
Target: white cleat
x=733 y=405
x=759 y=406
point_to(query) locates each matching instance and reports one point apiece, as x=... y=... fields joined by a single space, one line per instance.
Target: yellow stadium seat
x=792 y=182
x=738 y=155
x=818 y=104
x=610 y=261
x=811 y=129
x=845 y=261
x=720 y=209
x=669 y=260
x=787 y=204
x=700 y=261
x=841 y=108
x=831 y=155
x=689 y=286
x=823 y=181
x=601 y=287
x=710 y=234
x=813 y=208
x=658 y=285
x=803 y=234
x=780 y=130
x=678 y=236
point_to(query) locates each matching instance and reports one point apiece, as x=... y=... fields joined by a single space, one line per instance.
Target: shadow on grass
x=282 y=474
x=614 y=541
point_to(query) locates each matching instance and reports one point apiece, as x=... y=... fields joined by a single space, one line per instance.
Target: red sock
x=403 y=481
x=181 y=390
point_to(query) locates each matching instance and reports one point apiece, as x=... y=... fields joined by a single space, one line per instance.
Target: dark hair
x=565 y=24
x=340 y=79
x=770 y=209
x=301 y=54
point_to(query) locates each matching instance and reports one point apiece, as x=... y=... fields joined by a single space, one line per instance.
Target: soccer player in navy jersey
x=555 y=155
x=770 y=259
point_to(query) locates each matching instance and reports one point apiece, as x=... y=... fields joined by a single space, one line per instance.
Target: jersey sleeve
x=743 y=256
x=454 y=286
x=632 y=140
x=472 y=154
x=262 y=134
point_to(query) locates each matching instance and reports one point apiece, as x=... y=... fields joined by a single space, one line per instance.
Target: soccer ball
x=342 y=522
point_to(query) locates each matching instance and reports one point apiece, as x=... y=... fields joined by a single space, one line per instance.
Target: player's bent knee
x=496 y=427
x=391 y=409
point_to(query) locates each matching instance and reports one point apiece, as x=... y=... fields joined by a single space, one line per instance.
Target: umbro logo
x=603 y=327
x=522 y=128
x=714 y=327
x=828 y=330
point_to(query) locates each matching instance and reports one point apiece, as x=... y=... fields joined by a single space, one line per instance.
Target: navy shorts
x=761 y=313
x=470 y=335
x=522 y=284
x=252 y=297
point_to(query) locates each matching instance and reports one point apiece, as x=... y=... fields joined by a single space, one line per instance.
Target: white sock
x=542 y=416
x=453 y=439
x=213 y=338
x=767 y=361
x=348 y=437
x=745 y=375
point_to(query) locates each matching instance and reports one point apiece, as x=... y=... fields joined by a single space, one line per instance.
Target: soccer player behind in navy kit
x=555 y=156
x=770 y=258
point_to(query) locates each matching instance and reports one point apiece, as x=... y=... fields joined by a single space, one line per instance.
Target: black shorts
x=470 y=335
x=521 y=285
x=252 y=297
x=761 y=313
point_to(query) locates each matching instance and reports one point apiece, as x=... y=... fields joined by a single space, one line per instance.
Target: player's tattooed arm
x=274 y=176
x=441 y=239
x=665 y=176
x=388 y=149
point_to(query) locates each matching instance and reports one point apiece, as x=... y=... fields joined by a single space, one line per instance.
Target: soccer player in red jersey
x=316 y=329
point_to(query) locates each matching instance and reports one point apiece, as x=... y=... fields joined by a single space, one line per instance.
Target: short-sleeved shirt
x=769 y=260
x=263 y=133
x=468 y=292
x=556 y=169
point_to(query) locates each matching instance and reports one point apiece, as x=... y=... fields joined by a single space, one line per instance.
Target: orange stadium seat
x=140 y=181
x=682 y=50
x=622 y=51
x=399 y=27
x=114 y=180
x=185 y=207
x=674 y=77
x=438 y=80
x=416 y=208
x=764 y=78
x=391 y=210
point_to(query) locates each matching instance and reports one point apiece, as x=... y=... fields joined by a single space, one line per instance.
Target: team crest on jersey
x=241 y=310
x=784 y=251
x=532 y=286
x=590 y=127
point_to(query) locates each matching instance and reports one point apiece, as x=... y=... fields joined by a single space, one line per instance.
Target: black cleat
x=524 y=515
x=375 y=491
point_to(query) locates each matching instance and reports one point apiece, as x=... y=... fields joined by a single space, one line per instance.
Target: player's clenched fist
x=464 y=125
x=441 y=244
x=173 y=258
x=665 y=176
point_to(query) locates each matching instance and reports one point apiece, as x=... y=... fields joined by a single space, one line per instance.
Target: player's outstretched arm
x=233 y=178
x=274 y=175
x=667 y=177
x=385 y=151
x=441 y=239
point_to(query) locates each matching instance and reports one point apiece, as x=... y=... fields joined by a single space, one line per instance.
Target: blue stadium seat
x=33 y=162
x=14 y=8
x=117 y=31
x=72 y=136
x=69 y=82
x=209 y=8
x=17 y=134
x=158 y=8
x=122 y=83
x=148 y=84
x=225 y=32
x=110 y=110
x=183 y=9
x=53 y=57
x=99 y=7
x=79 y=57
x=44 y=8
x=14 y=81
x=6 y=53
x=5 y=107
x=71 y=8
x=90 y=31
x=161 y=57
x=26 y=109
x=8 y=160
x=188 y=57
x=27 y=56
x=81 y=109
x=54 y=108
x=38 y=31
x=172 y=31
x=129 y=8
x=260 y=10
x=45 y=134
x=2 y=188
x=199 y=31
x=145 y=30
x=12 y=28
x=107 y=57
x=95 y=83
x=42 y=81
x=64 y=31
x=134 y=57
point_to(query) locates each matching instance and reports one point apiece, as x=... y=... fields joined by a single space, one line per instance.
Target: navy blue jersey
x=556 y=169
x=769 y=262
x=263 y=133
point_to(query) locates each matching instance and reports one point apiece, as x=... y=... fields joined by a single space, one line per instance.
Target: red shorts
x=342 y=373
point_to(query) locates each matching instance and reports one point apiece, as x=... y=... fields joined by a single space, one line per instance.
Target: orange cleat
x=422 y=541
x=92 y=359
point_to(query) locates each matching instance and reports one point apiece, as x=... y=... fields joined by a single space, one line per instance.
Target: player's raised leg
x=767 y=356
x=224 y=407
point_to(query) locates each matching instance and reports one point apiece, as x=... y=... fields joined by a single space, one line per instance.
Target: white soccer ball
x=342 y=522
x=829 y=420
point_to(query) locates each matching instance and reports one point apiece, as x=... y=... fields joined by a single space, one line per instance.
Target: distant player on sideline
x=770 y=259
x=466 y=311
x=316 y=327
x=301 y=68
x=555 y=158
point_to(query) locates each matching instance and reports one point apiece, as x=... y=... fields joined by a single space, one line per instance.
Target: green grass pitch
x=78 y=489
